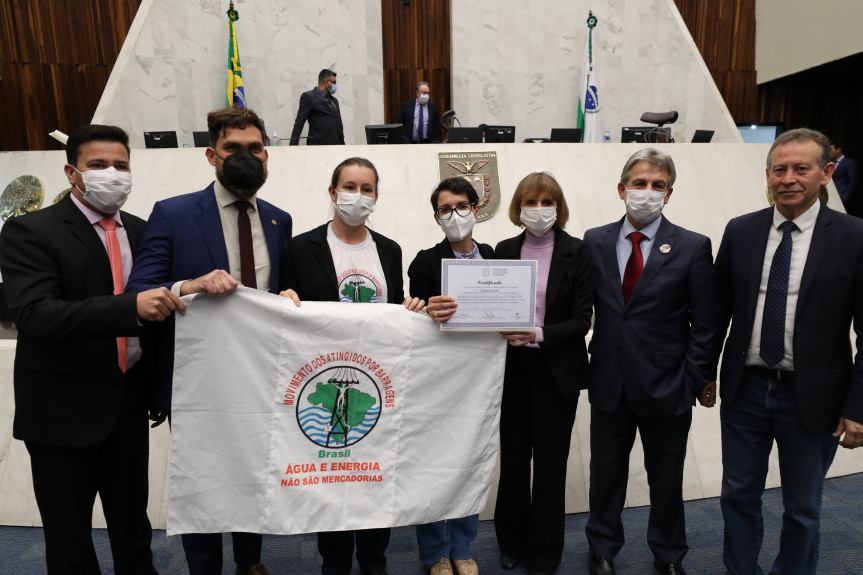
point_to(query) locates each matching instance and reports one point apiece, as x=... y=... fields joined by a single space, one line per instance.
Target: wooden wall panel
x=55 y=59
x=417 y=46
x=724 y=31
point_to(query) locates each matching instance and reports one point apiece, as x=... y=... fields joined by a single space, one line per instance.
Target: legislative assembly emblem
x=339 y=406
x=480 y=171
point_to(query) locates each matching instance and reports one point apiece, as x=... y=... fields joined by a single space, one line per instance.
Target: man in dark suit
x=420 y=118
x=80 y=380
x=321 y=109
x=211 y=241
x=844 y=175
x=650 y=358
x=790 y=280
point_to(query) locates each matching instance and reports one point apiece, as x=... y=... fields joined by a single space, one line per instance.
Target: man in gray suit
x=650 y=357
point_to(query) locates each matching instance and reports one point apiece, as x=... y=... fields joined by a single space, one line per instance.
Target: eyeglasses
x=464 y=210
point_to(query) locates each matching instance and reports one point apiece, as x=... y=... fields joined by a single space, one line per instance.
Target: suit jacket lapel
x=132 y=232
x=324 y=257
x=210 y=224
x=83 y=230
x=560 y=255
x=608 y=248
x=822 y=234
x=666 y=234
x=271 y=234
x=758 y=242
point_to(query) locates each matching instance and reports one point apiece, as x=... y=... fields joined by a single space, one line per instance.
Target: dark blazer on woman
x=311 y=272
x=568 y=308
x=425 y=273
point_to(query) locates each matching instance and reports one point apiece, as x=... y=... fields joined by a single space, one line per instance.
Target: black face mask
x=244 y=173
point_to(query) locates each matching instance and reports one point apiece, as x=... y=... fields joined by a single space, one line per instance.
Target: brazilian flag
x=236 y=95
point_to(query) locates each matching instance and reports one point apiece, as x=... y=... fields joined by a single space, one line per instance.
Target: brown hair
x=234 y=117
x=361 y=162
x=532 y=185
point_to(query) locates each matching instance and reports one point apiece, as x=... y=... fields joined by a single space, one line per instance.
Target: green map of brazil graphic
x=365 y=294
x=358 y=403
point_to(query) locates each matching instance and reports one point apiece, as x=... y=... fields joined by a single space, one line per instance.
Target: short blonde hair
x=535 y=184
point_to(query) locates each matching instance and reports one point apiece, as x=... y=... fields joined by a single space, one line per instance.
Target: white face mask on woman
x=354 y=208
x=106 y=190
x=644 y=206
x=539 y=220
x=458 y=227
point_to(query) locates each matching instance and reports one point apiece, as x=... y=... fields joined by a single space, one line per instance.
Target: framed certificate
x=492 y=295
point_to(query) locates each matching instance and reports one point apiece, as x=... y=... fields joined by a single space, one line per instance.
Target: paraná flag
x=588 y=99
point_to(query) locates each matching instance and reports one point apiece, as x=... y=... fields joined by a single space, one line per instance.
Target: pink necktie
x=116 y=258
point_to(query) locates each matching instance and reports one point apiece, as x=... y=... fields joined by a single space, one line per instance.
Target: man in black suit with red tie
x=789 y=280
x=321 y=109
x=420 y=118
x=80 y=380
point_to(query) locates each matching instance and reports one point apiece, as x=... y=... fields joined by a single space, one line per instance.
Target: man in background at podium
x=321 y=109
x=420 y=118
x=80 y=381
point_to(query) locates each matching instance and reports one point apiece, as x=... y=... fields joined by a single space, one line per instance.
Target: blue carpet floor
x=22 y=549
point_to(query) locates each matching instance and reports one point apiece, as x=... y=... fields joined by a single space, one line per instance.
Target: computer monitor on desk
x=566 y=135
x=464 y=135
x=638 y=134
x=202 y=139
x=500 y=134
x=160 y=139
x=385 y=134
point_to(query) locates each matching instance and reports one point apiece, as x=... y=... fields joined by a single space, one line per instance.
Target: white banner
x=327 y=417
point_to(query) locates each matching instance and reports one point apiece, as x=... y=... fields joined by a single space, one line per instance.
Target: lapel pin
x=274 y=222
x=665 y=248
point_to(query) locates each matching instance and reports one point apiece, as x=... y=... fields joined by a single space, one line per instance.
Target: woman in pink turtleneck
x=545 y=370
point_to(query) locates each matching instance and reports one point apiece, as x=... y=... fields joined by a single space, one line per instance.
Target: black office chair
x=659 y=134
x=447 y=119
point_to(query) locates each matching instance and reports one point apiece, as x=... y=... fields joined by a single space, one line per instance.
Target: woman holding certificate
x=345 y=261
x=545 y=370
x=445 y=545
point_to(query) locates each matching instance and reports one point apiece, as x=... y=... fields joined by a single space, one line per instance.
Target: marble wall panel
x=171 y=73
x=524 y=67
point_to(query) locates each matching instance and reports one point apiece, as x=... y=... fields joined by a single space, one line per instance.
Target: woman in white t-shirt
x=345 y=261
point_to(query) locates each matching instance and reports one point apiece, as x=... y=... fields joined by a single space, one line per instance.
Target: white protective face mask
x=539 y=220
x=458 y=227
x=106 y=190
x=644 y=206
x=424 y=98
x=354 y=208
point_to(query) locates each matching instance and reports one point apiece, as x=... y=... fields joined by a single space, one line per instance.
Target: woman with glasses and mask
x=344 y=261
x=545 y=371
x=444 y=546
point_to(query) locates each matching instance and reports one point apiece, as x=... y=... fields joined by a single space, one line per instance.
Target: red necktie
x=116 y=258
x=247 y=250
x=634 y=265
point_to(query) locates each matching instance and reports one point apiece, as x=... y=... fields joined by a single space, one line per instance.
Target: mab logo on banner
x=337 y=406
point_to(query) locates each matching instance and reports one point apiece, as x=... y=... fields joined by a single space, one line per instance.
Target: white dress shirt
x=801 y=238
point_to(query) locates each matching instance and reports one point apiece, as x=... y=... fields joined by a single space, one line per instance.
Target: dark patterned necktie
x=247 y=250
x=776 y=300
x=420 y=135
